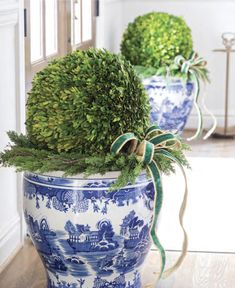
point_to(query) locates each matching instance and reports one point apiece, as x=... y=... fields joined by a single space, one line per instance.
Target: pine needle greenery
x=77 y=107
x=25 y=156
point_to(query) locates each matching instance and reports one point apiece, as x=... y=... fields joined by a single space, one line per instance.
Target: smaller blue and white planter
x=171 y=102
x=87 y=236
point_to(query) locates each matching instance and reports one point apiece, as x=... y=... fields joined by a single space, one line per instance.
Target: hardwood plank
x=212 y=147
x=25 y=271
x=199 y=270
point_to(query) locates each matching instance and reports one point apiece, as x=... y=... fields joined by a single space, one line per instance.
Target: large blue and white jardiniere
x=87 y=236
x=171 y=102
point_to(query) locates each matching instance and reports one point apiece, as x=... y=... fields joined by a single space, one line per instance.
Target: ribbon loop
x=122 y=140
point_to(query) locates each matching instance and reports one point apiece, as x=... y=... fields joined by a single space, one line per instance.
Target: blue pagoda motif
x=105 y=264
x=133 y=230
x=174 y=116
x=63 y=284
x=42 y=237
x=125 y=262
x=170 y=103
x=39 y=233
x=118 y=282
x=82 y=239
x=149 y=196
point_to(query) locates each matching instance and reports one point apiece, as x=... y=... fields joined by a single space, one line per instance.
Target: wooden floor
x=211 y=147
x=199 y=270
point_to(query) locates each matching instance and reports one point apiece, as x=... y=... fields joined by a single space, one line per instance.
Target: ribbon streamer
x=193 y=69
x=214 y=120
x=156 y=142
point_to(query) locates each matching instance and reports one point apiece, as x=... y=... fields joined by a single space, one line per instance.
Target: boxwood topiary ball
x=154 y=39
x=83 y=101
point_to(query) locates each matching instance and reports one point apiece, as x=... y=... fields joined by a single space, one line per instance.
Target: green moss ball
x=84 y=101
x=155 y=39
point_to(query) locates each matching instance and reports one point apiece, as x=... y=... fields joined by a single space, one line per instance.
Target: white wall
x=110 y=25
x=208 y=19
x=210 y=214
x=11 y=107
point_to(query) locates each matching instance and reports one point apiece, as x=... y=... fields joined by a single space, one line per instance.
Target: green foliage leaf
x=155 y=39
x=84 y=101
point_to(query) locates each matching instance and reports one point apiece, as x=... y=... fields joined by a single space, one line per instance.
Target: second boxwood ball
x=83 y=101
x=154 y=39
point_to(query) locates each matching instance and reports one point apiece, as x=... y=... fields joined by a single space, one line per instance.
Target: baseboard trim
x=10 y=242
x=4 y=265
x=207 y=121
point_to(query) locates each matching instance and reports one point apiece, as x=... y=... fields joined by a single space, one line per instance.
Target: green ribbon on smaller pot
x=193 y=69
x=155 y=142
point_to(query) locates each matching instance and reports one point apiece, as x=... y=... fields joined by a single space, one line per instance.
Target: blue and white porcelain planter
x=171 y=102
x=87 y=236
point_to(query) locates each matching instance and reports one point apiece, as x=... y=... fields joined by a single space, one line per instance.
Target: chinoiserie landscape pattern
x=86 y=235
x=171 y=102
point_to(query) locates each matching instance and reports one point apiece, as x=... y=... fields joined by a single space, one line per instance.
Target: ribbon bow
x=195 y=69
x=155 y=142
x=194 y=65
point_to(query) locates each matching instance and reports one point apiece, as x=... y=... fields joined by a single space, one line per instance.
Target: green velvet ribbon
x=193 y=69
x=155 y=141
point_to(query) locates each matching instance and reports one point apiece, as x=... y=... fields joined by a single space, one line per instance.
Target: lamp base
x=222 y=134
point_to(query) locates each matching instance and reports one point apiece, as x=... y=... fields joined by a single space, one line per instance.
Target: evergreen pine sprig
x=26 y=157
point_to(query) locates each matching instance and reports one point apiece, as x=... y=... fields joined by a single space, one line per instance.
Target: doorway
x=54 y=28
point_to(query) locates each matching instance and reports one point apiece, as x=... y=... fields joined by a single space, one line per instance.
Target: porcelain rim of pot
x=111 y=175
x=163 y=81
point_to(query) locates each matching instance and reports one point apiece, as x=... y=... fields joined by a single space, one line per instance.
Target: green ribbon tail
x=196 y=105
x=155 y=173
x=177 y=264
